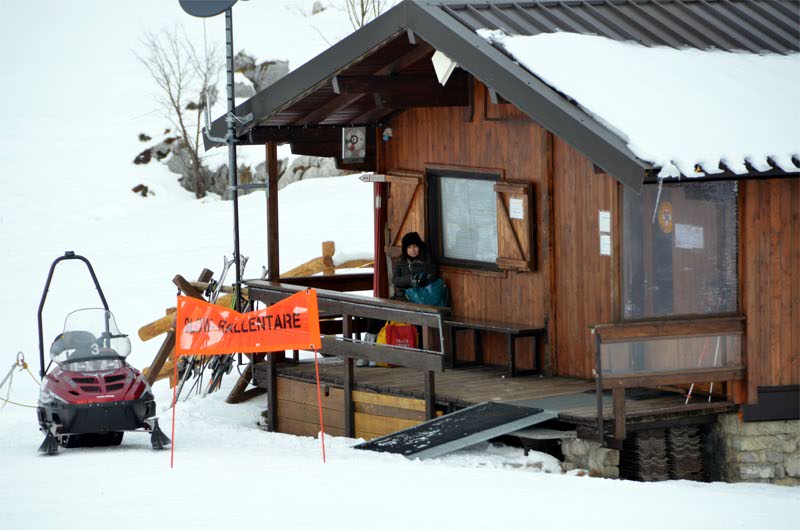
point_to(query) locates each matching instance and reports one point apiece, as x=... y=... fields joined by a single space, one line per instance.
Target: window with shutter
x=463 y=215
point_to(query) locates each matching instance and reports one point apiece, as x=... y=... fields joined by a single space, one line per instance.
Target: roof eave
x=473 y=54
x=308 y=76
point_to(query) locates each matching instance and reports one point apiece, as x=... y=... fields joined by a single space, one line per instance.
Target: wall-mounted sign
x=515 y=210
x=688 y=236
x=665 y=217
x=605 y=244
x=604 y=222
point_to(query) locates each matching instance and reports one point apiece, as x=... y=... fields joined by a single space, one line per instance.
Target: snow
x=73 y=104
x=675 y=108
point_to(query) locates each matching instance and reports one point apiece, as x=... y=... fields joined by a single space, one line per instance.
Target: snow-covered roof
x=675 y=108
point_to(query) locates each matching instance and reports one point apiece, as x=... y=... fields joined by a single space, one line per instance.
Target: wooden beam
x=418 y=53
x=384 y=354
x=344 y=99
x=382 y=84
x=619 y=412
x=272 y=393
x=677 y=377
x=430 y=387
x=325 y=110
x=349 y=381
x=374 y=115
x=339 y=282
x=273 y=240
x=291 y=133
x=666 y=328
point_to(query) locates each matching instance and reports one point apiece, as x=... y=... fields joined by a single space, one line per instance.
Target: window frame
x=434 y=214
x=620 y=290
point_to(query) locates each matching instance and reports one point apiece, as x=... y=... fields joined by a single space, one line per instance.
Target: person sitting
x=414 y=268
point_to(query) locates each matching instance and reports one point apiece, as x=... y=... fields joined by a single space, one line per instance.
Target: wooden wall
x=375 y=414
x=770 y=232
x=493 y=137
x=584 y=280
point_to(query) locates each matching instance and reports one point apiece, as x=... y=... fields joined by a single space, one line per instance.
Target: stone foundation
x=589 y=455
x=766 y=451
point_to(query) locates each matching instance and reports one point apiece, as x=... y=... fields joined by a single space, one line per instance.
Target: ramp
x=466 y=427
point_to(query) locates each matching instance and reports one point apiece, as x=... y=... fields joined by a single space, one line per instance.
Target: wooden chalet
x=566 y=287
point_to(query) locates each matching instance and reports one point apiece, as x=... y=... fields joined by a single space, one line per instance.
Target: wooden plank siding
x=506 y=142
x=771 y=238
x=583 y=278
x=375 y=414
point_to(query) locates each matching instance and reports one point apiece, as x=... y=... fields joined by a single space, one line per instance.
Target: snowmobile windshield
x=90 y=337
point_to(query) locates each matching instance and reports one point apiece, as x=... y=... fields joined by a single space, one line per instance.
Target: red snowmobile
x=93 y=395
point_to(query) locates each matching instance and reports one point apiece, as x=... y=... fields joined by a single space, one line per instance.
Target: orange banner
x=206 y=329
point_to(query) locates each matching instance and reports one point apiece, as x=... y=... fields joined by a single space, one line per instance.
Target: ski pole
x=716 y=355
x=699 y=362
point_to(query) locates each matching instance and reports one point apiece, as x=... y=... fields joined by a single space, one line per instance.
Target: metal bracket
x=250 y=186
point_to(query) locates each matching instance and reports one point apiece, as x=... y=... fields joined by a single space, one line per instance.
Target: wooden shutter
x=514 y=235
x=406 y=208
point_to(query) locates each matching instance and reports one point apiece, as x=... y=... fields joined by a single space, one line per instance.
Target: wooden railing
x=350 y=306
x=643 y=331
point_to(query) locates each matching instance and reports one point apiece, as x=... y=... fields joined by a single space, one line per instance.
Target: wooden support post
x=272 y=393
x=380 y=279
x=349 y=379
x=512 y=358
x=598 y=375
x=273 y=244
x=430 y=396
x=328 y=250
x=430 y=387
x=448 y=347
x=169 y=342
x=477 y=346
x=619 y=412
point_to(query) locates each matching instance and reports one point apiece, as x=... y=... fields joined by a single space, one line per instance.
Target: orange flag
x=206 y=329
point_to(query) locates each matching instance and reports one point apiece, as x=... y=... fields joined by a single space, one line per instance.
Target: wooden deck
x=573 y=399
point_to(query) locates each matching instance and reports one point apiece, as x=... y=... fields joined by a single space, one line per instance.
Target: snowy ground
x=73 y=104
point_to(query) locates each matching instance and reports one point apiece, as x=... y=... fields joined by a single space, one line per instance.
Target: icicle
x=658 y=198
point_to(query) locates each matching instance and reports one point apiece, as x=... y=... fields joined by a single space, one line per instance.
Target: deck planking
x=572 y=398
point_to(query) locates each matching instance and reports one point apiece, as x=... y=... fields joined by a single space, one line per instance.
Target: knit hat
x=412 y=238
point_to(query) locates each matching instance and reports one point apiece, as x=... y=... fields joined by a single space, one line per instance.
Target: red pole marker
x=319 y=402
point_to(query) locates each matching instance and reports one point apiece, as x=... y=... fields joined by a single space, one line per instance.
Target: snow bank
x=675 y=108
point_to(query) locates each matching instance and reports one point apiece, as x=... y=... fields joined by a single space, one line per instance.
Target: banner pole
x=174 y=406
x=319 y=403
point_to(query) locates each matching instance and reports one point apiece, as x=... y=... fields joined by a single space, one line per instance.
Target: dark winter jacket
x=406 y=267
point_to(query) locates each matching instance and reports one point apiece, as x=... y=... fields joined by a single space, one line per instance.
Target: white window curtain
x=469 y=219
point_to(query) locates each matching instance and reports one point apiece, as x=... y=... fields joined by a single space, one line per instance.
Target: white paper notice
x=605 y=245
x=688 y=236
x=605 y=222
x=515 y=209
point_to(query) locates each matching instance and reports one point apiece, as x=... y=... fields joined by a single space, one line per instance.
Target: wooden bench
x=511 y=331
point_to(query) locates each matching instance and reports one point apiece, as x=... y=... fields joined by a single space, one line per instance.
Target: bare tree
x=183 y=78
x=360 y=12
